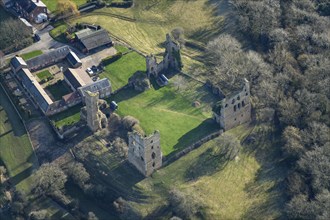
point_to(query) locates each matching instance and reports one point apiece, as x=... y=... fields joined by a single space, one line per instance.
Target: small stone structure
x=95 y=119
x=234 y=109
x=172 y=59
x=145 y=152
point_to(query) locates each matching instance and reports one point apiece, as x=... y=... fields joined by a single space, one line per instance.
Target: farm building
x=89 y=39
x=31 y=9
x=33 y=87
x=103 y=87
x=73 y=59
x=76 y=78
x=52 y=57
x=17 y=63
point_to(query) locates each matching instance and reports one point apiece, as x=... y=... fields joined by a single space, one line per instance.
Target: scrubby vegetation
x=288 y=66
x=15 y=35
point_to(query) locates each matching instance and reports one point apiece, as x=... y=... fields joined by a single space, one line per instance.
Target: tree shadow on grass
x=118 y=175
x=273 y=171
x=18 y=178
x=124 y=95
x=208 y=163
x=207 y=127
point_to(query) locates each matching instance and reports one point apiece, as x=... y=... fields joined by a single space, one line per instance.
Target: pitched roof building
x=35 y=90
x=76 y=78
x=52 y=57
x=103 y=87
x=89 y=39
x=30 y=9
x=17 y=63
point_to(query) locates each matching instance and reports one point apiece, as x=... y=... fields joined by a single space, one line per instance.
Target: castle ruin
x=233 y=109
x=144 y=152
x=172 y=59
x=95 y=119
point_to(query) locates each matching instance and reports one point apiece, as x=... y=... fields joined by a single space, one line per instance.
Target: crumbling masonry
x=145 y=152
x=95 y=119
x=234 y=109
x=172 y=59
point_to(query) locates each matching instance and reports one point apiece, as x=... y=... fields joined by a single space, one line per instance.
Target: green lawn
x=58 y=90
x=68 y=117
x=169 y=110
x=15 y=149
x=31 y=54
x=121 y=70
x=44 y=75
x=58 y=32
x=51 y=4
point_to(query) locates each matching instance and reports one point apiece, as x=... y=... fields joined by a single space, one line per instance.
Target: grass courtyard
x=68 y=117
x=31 y=54
x=44 y=75
x=121 y=70
x=58 y=89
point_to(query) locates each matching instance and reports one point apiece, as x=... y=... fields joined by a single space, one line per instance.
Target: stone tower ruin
x=91 y=113
x=234 y=109
x=171 y=60
x=144 y=152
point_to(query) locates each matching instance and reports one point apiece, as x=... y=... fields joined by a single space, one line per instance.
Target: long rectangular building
x=34 y=89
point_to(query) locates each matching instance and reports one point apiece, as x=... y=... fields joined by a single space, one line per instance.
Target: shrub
x=128 y=122
x=124 y=4
x=111 y=59
x=120 y=146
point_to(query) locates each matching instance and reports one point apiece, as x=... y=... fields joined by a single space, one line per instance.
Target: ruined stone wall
x=145 y=152
x=172 y=59
x=235 y=109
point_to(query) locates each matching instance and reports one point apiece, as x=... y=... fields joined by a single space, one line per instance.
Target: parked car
x=90 y=71
x=36 y=38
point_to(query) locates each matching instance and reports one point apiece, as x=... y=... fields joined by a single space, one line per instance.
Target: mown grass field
x=230 y=190
x=68 y=117
x=156 y=18
x=15 y=149
x=170 y=110
x=32 y=54
x=121 y=70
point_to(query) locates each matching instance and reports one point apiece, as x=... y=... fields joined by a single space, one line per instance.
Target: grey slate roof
x=48 y=58
x=95 y=86
x=77 y=77
x=73 y=59
x=17 y=62
x=35 y=89
x=92 y=39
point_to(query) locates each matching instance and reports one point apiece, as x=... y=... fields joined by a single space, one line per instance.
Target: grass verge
x=31 y=54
